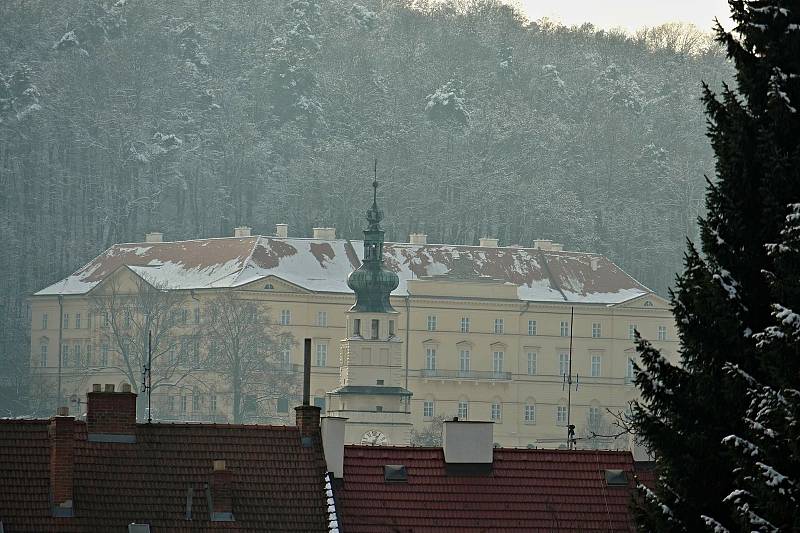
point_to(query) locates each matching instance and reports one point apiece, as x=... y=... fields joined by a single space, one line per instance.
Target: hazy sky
x=629 y=14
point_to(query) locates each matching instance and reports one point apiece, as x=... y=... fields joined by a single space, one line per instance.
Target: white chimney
x=332 y=428
x=594 y=262
x=488 y=242
x=557 y=247
x=467 y=442
x=542 y=244
x=325 y=234
x=418 y=238
x=154 y=236
x=242 y=231
x=282 y=230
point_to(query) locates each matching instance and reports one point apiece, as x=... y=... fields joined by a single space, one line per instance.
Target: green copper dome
x=371 y=282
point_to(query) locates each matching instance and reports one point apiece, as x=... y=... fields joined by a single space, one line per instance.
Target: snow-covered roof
x=323 y=266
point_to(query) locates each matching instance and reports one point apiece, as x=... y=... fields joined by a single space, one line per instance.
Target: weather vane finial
x=375 y=183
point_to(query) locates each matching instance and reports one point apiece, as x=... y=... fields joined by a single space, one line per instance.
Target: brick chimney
x=325 y=234
x=307 y=420
x=154 y=236
x=62 y=463
x=418 y=238
x=221 y=493
x=468 y=448
x=282 y=230
x=242 y=231
x=111 y=416
x=489 y=242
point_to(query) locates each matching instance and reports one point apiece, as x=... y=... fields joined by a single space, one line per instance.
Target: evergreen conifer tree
x=721 y=423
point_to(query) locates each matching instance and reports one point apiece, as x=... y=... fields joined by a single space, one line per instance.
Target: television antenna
x=568 y=385
x=147 y=376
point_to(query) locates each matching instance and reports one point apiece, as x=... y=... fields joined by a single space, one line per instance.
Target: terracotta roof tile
x=527 y=490
x=277 y=484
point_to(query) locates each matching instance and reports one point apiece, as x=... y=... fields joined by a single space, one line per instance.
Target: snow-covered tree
x=723 y=424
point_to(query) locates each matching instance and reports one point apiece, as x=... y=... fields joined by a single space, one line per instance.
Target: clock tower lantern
x=371 y=394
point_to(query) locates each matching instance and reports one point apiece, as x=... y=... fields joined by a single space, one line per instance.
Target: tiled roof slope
x=528 y=490
x=323 y=265
x=277 y=484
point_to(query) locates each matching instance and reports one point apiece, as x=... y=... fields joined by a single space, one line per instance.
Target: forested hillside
x=193 y=117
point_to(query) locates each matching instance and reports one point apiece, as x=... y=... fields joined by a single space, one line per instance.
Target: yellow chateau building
x=479 y=332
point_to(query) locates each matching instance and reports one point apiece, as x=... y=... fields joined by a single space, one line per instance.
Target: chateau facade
x=478 y=332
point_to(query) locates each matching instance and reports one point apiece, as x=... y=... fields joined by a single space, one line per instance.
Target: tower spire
x=371 y=282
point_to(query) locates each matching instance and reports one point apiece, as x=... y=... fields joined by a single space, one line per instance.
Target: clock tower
x=371 y=392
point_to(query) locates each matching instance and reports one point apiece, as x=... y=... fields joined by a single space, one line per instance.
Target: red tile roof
x=277 y=484
x=528 y=490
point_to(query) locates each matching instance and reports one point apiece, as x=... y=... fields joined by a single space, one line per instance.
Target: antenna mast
x=568 y=383
x=147 y=376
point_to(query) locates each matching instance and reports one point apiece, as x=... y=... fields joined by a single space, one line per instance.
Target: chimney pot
x=62 y=411
x=557 y=247
x=109 y=387
x=325 y=234
x=543 y=244
x=219 y=465
x=242 y=231
x=282 y=230
x=154 y=236
x=489 y=242
x=418 y=238
x=96 y=387
x=126 y=387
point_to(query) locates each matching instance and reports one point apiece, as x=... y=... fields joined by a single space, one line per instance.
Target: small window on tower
x=391 y=328
x=357 y=327
x=375 y=328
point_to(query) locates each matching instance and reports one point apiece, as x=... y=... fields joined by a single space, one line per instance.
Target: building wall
x=511 y=387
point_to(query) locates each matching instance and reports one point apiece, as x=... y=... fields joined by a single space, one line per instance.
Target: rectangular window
x=44 y=320
x=463 y=409
x=629 y=372
x=531 y=363
x=464 y=324
x=196 y=402
x=127 y=318
x=427 y=409
x=499 y=326
x=212 y=403
x=564 y=328
x=105 y=320
x=43 y=355
x=65 y=324
x=88 y=320
x=319 y=401
x=195 y=348
x=172 y=356
x=463 y=361
x=563 y=363
x=88 y=356
x=76 y=355
x=497 y=411
x=430 y=358
x=391 y=328
x=184 y=316
x=596 y=330
x=322 y=355
x=376 y=325
x=431 y=323
x=497 y=361
x=596 y=372
x=561 y=415
x=530 y=413
x=183 y=405
x=631 y=331
x=356 y=327
x=531 y=327
x=286 y=359
x=286 y=317
x=662 y=333
x=64 y=355
x=196 y=315
x=594 y=418
x=77 y=321
x=322 y=319
x=171 y=403
x=283 y=405
x=104 y=355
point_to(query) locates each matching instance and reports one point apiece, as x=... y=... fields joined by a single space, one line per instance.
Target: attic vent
x=269 y=286
x=616 y=478
x=138 y=528
x=395 y=473
x=648 y=303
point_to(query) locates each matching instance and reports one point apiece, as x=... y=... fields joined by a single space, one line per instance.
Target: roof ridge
x=247 y=261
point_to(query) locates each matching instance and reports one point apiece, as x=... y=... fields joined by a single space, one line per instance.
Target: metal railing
x=478 y=375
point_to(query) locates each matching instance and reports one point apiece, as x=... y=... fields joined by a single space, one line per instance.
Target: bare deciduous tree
x=151 y=314
x=244 y=347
